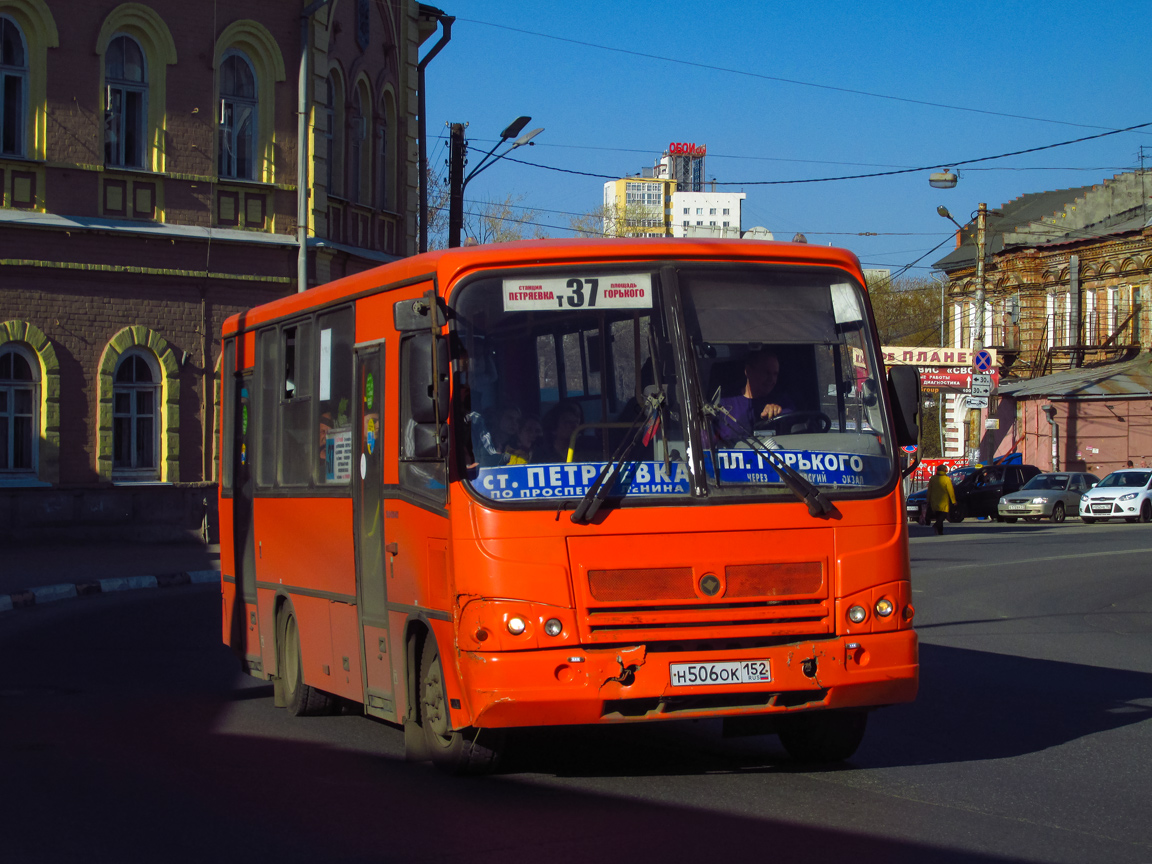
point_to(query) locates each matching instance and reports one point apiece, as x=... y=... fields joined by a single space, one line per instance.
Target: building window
x=712 y=211
x=713 y=223
x=726 y=224
x=357 y=135
x=381 y=165
x=13 y=88
x=700 y=222
x=237 y=118
x=699 y=212
x=686 y=223
x=686 y=211
x=726 y=213
x=125 y=103
x=19 y=399
x=135 y=431
x=330 y=133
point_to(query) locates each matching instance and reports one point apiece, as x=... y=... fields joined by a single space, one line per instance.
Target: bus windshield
x=560 y=374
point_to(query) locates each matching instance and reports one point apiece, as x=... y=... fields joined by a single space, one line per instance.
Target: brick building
x=150 y=186
x=1068 y=274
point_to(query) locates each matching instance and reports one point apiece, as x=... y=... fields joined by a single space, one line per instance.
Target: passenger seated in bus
x=527 y=439
x=559 y=424
x=506 y=427
x=760 y=398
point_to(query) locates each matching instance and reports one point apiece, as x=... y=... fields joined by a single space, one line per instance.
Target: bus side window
x=268 y=387
x=226 y=411
x=423 y=441
x=296 y=405
x=333 y=463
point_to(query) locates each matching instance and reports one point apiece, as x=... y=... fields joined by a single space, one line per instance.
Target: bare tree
x=490 y=221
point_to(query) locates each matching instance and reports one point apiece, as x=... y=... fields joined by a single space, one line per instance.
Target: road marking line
x=985 y=565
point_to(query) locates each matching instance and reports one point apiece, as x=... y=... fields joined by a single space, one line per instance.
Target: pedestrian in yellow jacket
x=941 y=497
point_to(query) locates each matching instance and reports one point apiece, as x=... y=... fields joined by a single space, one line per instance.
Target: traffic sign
x=977 y=401
x=981 y=379
x=981 y=389
x=982 y=360
x=909 y=448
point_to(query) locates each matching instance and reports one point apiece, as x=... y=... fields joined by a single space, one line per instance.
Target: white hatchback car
x=1126 y=494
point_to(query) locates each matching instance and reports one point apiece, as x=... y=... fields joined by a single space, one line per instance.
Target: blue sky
x=606 y=112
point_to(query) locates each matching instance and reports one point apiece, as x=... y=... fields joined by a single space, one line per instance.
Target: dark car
x=978 y=493
x=917 y=503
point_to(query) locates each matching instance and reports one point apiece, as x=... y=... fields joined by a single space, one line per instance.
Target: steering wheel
x=813 y=421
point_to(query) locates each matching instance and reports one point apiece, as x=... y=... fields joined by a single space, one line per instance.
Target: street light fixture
x=457 y=180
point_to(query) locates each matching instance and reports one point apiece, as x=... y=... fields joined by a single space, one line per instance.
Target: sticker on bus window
x=338 y=455
x=585 y=292
x=823 y=469
x=572 y=479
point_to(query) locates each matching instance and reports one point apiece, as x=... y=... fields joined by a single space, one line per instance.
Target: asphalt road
x=127 y=735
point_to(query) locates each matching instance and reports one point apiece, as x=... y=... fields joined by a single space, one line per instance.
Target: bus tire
x=461 y=751
x=823 y=736
x=300 y=699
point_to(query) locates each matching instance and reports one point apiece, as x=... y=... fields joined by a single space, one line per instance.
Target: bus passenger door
x=368 y=516
x=243 y=531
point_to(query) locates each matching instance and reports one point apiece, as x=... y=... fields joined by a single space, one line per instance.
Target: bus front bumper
x=612 y=685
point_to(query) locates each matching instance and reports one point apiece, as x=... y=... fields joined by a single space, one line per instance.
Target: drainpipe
x=302 y=146
x=1074 y=300
x=1050 y=412
x=446 y=22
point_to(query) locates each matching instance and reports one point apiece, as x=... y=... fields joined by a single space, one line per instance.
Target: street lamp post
x=457 y=180
x=978 y=312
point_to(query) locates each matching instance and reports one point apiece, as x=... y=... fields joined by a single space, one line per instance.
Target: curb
x=67 y=590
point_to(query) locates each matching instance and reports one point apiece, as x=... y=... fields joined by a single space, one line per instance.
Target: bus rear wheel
x=823 y=736
x=461 y=751
x=300 y=699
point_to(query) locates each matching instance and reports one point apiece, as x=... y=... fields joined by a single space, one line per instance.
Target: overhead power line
x=779 y=79
x=954 y=163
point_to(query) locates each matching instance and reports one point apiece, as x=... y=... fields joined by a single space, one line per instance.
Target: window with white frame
x=19 y=403
x=135 y=426
x=125 y=103
x=238 y=106
x=711 y=211
x=13 y=88
x=726 y=213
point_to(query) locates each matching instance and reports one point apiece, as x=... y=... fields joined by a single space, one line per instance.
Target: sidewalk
x=36 y=574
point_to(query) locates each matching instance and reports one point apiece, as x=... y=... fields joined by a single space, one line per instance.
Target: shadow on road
x=112 y=749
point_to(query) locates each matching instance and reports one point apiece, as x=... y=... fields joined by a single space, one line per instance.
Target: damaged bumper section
x=611 y=685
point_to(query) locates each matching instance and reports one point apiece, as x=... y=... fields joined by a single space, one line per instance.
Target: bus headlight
x=553 y=626
x=884 y=607
x=857 y=614
x=517 y=625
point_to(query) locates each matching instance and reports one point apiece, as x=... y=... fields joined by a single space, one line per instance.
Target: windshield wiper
x=610 y=473
x=818 y=503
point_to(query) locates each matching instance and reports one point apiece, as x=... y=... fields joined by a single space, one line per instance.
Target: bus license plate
x=723 y=672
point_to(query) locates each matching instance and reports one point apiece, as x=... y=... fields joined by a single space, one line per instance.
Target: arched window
x=125 y=103
x=135 y=430
x=357 y=134
x=382 y=163
x=13 y=88
x=19 y=401
x=237 y=118
x=334 y=134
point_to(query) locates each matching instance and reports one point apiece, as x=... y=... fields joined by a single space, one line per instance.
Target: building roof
x=1118 y=205
x=1132 y=379
x=1016 y=213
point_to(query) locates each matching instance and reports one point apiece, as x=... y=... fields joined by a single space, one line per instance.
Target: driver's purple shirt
x=746 y=412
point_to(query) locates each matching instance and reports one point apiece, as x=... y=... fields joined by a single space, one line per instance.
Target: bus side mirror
x=904 y=390
x=416 y=313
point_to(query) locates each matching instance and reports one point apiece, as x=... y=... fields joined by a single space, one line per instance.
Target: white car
x=1125 y=494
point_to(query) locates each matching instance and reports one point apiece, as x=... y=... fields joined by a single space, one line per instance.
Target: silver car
x=1047 y=496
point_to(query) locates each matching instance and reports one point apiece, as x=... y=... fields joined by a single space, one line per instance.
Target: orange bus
x=572 y=482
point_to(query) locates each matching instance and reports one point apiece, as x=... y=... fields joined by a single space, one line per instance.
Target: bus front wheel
x=823 y=736
x=461 y=751
x=300 y=699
